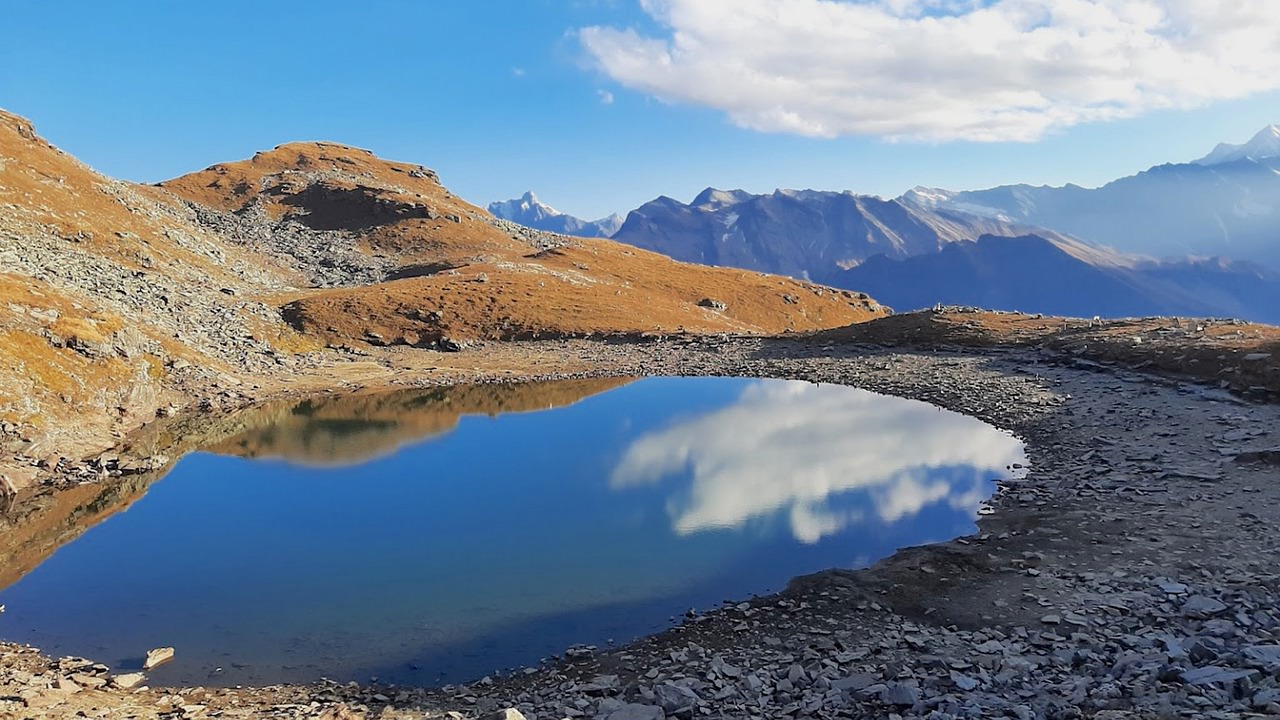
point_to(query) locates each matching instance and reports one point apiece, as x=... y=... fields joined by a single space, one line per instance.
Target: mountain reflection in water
x=440 y=534
x=337 y=430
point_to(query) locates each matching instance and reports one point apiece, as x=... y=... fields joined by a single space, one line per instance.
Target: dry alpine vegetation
x=1130 y=574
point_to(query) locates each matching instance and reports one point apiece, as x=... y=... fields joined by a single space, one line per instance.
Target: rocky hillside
x=119 y=302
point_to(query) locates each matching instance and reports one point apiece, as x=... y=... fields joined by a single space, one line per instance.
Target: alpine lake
x=438 y=535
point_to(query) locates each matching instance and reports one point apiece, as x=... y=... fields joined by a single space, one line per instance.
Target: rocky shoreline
x=1129 y=574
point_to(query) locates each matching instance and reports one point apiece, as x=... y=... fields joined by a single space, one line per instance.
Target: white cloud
x=606 y=97
x=518 y=72
x=793 y=447
x=982 y=70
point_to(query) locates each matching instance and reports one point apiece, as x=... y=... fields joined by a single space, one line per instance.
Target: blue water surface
x=507 y=538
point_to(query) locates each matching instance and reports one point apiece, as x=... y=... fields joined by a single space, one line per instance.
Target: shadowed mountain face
x=801 y=233
x=529 y=211
x=1035 y=274
x=1227 y=204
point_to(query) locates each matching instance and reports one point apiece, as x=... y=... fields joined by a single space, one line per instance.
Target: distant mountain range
x=531 y=212
x=1199 y=238
x=1065 y=250
x=1066 y=277
x=802 y=233
x=1225 y=204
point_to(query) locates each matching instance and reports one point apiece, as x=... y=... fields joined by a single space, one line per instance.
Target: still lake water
x=434 y=536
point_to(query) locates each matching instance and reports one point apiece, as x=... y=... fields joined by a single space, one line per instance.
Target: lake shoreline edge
x=985 y=622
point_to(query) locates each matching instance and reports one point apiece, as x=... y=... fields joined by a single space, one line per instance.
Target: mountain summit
x=1266 y=144
x=529 y=211
x=526 y=206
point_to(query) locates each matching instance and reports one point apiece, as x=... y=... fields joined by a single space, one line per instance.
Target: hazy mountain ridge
x=1013 y=246
x=1041 y=275
x=529 y=211
x=802 y=233
x=1225 y=204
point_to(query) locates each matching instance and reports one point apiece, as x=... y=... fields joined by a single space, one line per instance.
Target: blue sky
x=500 y=97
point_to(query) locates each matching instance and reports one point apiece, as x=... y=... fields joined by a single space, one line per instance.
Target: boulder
x=157 y=657
x=676 y=699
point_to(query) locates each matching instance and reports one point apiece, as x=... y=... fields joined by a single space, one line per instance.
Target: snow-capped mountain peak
x=529 y=211
x=1266 y=144
x=525 y=206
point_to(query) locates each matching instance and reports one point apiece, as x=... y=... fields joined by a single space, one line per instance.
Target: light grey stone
x=854 y=683
x=1200 y=607
x=900 y=694
x=963 y=682
x=636 y=711
x=1213 y=675
x=674 y=698
x=1264 y=656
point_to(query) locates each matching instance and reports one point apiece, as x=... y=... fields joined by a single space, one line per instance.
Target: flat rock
x=508 y=714
x=66 y=685
x=636 y=711
x=1200 y=607
x=1212 y=675
x=128 y=681
x=854 y=683
x=900 y=694
x=1265 y=656
x=89 y=681
x=1270 y=456
x=157 y=657
x=963 y=682
x=1266 y=697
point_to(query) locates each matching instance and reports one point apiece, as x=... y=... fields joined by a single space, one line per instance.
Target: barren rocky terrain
x=1128 y=574
x=119 y=301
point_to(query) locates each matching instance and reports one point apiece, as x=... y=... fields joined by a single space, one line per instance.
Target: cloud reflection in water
x=793 y=448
